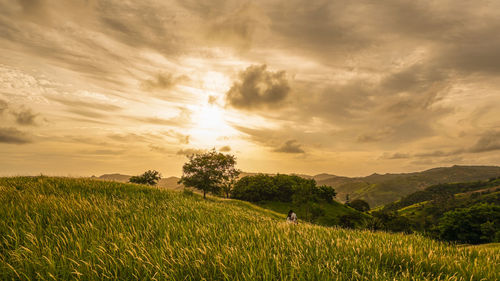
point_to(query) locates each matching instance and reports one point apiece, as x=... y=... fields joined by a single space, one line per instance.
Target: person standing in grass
x=292 y=217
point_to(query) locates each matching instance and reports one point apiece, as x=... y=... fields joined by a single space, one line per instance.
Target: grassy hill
x=83 y=229
x=379 y=189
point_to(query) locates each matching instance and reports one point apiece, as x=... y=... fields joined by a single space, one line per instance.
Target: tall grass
x=61 y=228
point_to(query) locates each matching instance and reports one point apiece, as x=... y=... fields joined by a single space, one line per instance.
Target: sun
x=209 y=124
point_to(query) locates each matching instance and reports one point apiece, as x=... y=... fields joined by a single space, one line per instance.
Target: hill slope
x=379 y=189
x=61 y=228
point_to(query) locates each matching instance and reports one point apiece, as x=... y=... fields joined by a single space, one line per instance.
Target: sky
x=345 y=87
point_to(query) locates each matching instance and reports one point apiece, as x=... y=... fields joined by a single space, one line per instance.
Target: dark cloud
x=488 y=142
x=238 y=27
x=258 y=87
x=225 y=148
x=190 y=151
x=473 y=50
x=291 y=146
x=375 y=136
x=396 y=155
x=324 y=30
x=163 y=81
x=13 y=136
x=264 y=137
x=25 y=117
x=440 y=153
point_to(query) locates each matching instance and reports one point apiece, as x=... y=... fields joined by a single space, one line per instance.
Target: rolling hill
x=63 y=228
x=379 y=189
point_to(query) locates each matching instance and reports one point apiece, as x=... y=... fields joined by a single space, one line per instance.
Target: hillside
x=62 y=228
x=437 y=192
x=457 y=212
x=379 y=189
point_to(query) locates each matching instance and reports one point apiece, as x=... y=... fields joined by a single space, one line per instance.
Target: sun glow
x=209 y=125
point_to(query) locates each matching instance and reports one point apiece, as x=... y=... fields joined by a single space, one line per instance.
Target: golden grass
x=81 y=229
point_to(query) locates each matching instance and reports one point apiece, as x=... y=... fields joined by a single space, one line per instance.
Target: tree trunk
x=204 y=194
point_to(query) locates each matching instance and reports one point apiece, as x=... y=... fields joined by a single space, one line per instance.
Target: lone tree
x=211 y=171
x=150 y=177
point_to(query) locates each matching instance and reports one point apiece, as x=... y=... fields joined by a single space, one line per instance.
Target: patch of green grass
x=332 y=211
x=80 y=229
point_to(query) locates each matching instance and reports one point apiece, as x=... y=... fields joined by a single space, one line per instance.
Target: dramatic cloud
x=13 y=136
x=291 y=146
x=386 y=86
x=258 y=87
x=488 y=142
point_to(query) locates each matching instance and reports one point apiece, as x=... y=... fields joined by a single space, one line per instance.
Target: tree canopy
x=211 y=171
x=283 y=188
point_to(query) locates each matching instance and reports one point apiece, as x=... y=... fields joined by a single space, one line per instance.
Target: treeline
x=283 y=188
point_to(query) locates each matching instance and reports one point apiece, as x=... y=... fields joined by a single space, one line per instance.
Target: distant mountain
x=379 y=189
x=115 y=177
x=168 y=183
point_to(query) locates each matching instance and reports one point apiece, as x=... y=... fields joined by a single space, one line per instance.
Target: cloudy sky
x=345 y=87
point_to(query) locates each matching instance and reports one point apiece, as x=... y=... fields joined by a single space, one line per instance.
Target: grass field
x=61 y=228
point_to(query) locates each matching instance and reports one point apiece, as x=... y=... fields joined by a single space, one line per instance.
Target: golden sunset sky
x=344 y=87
